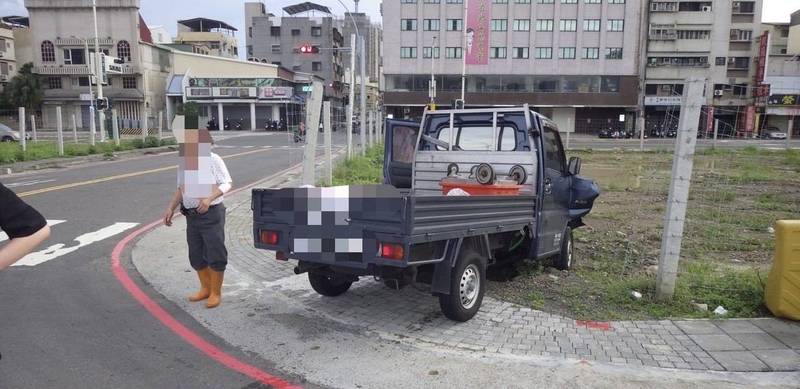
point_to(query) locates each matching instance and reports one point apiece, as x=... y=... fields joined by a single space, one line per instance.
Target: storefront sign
x=750 y=118
x=709 y=118
x=784 y=100
x=275 y=92
x=234 y=92
x=478 y=14
x=663 y=100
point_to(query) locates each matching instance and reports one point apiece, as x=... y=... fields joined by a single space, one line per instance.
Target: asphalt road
x=589 y=141
x=67 y=322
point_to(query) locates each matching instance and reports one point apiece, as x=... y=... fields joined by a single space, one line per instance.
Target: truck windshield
x=478 y=138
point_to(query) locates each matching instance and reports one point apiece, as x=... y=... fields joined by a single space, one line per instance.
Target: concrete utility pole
x=33 y=129
x=370 y=136
x=464 y=51
x=362 y=66
x=682 y=163
x=716 y=132
x=789 y=132
x=59 y=132
x=326 y=120
x=641 y=50
x=351 y=98
x=144 y=124
x=313 y=105
x=22 y=139
x=160 y=125
x=74 y=129
x=99 y=71
x=114 y=125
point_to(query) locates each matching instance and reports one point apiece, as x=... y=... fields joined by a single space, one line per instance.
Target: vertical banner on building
x=478 y=13
x=709 y=118
x=750 y=119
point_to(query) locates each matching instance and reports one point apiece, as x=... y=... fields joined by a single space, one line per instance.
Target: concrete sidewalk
x=342 y=341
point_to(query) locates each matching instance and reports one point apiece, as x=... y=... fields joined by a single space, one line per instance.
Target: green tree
x=24 y=89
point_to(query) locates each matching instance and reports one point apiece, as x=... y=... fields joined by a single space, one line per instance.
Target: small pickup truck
x=409 y=231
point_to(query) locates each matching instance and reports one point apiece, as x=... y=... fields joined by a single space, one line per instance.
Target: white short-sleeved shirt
x=194 y=182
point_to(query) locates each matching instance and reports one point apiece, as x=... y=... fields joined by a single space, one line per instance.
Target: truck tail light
x=392 y=251
x=269 y=237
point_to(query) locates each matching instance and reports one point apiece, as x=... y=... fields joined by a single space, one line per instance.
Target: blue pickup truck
x=409 y=231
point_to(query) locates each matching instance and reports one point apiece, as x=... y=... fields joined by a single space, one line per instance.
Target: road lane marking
x=27 y=183
x=86 y=239
x=119 y=177
x=4 y=236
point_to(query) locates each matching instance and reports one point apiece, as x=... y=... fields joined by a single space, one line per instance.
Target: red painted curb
x=594 y=325
x=177 y=327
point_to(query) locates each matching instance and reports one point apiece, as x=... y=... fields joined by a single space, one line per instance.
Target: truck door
x=555 y=193
x=401 y=139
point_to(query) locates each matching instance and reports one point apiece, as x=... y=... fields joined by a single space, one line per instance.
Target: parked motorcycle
x=227 y=124
x=238 y=125
x=212 y=125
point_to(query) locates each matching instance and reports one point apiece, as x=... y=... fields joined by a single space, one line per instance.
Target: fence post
x=115 y=124
x=92 y=126
x=33 y=129
x=160 y=125
x=326 y=120
x=74 y=129
x=22 y=139
x=716 y=131
x=789 y=132
x=59 y=132
x=143 y=124
x=682 y=163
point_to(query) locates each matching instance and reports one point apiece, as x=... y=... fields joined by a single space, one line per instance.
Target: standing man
x=25 y=227
x=203 y=179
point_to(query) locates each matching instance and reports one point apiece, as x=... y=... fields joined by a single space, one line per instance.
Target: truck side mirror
x=574 y=167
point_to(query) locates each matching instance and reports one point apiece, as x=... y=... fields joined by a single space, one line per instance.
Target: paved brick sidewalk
x=500 y=327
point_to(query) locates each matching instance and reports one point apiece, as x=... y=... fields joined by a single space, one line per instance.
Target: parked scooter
x=212 y=125
x=227 y=124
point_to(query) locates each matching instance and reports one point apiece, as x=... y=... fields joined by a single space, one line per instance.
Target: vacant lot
x=11 y=152
x=735 y=198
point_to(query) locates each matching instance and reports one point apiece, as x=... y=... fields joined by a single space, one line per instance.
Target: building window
x=522 y=24
x=522 y=1
x=54 y=82
x=677 y=61
x=566 y=53
x=408 y=24
x=743 y=7
x=568 y=24
x=591 y=52
x=545 y=1
x=452 y=52
x=81 y=81
x=408 y=52
x=124 y=51
x=591 y=24
x=592 y=1
x=543 y=52
x=275 y=31
x=497 y=52
x=74 y=57
x=276 y=49
x=316 y=66
x=693 y=34
x=569 y=1
x=129 y=82
x=454 y=25
x=48 y=52
x=616 y=25
x=544 y=24
x=455 y=1
x=741 y=35
x=499 y=24
x=430 y=24
x=614 y=53
x=521 y=53
x=499 y=1
x=616 y=1
x=408 y=1
x=316 y=31
x=431 y=1
x=720 y=61
x=738 y=63
x=296 y=32
x=428 y=51
x=661 y=6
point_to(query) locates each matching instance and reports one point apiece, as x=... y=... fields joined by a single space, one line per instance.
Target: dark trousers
x=205 y=234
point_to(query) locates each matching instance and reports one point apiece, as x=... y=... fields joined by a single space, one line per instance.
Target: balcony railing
x=79 y=42
x=77 y=69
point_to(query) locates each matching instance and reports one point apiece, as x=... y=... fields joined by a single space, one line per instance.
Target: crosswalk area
x=57 y=250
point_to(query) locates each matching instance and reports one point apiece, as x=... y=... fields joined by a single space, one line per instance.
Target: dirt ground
x=735 y=198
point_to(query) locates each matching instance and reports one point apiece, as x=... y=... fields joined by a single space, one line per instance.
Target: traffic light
x=308 y=49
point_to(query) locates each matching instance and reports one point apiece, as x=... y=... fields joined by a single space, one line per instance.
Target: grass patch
x=11 y=152
x=361 y=170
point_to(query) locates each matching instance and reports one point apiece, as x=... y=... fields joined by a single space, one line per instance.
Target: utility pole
x=91 y=96
x=644 y=31
x=464 y=52
x=682 y=164
x=362 y=66
x=313 y=107
x=326 y=122
x=99 y=72
x=351 y=98
x=433 y=79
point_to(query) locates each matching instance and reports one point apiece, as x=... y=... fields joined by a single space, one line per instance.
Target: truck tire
x=564 y=260
x=326 y=286
x=467 y=286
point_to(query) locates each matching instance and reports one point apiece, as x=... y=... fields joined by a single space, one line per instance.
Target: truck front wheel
x=564 y=259
x=467 y=285
x=326 y=285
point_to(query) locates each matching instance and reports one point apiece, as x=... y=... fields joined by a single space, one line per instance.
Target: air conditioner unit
x=718 y=92
x=2 y=54
x=706 y=8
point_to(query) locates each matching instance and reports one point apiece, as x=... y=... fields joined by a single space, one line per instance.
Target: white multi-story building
x=576 y=61
x=783 y=76
x=712 y=39
x=8 y=58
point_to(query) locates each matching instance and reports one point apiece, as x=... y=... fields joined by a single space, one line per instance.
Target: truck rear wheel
x=326 y=285
x=467 y=285
x=564 y=259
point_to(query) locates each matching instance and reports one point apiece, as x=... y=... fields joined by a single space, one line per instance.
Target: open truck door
x=401 y=139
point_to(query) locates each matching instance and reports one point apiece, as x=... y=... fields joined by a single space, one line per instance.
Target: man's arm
x=19 y=247
x=224 y=181
x=177 y=197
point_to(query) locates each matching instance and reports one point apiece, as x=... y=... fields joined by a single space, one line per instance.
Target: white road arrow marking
x=27 y=183
x=4 y=237
x=58 y=250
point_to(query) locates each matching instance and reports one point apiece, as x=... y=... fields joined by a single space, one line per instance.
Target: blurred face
x=195 y=163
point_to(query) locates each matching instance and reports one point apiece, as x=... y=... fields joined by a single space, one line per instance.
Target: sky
x=167 y=12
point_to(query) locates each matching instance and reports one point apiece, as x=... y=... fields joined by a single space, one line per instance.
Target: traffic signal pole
x=98 y=72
